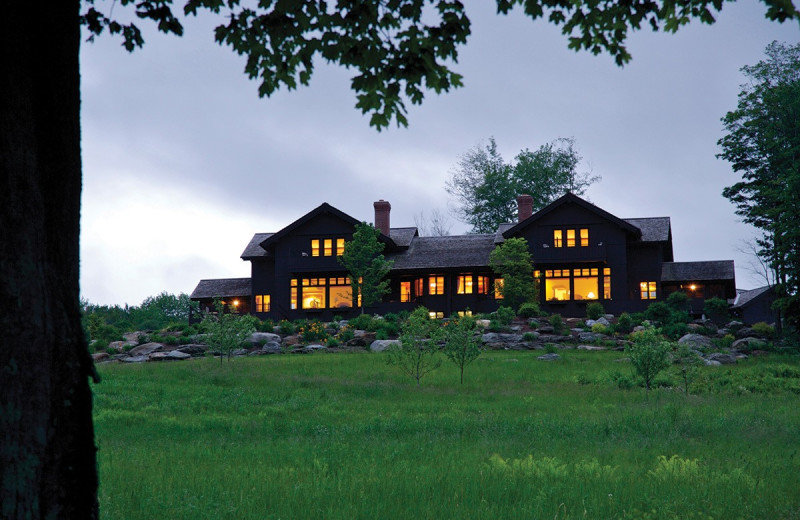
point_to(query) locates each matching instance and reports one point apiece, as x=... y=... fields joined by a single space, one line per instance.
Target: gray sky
x=183 y=162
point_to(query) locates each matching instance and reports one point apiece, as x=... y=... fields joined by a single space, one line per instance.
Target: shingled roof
x=445 y=252
x=654 y=229
x=254 y=249
x=745 y=297
x=697 y=271
x=221 y=287
x=403 y=236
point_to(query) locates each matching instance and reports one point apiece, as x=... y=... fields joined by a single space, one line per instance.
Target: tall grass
x=345 y=436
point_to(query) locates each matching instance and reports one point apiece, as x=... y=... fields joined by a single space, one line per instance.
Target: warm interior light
x=692 y=287
x=235 y=303
x=591 y=295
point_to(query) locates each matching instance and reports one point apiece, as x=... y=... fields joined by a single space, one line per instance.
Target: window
x=498 y=289
x=558 y=238
x=314 y=293
x=324 y=247
x=341 y=294
x=465 y=284
x=570 y=238
x=436 y=314
x=436 y=285
x=405 y=291
x=419 y=287
x=262 y=302
x=556 y=285
x=328 y=247
x=648 y=290
x=467 y=312
x=607 y=283
x=293 y=294
x=483 y=285
x=339 y=246
x=584 y=238
x=584 y=282
x=315 y=247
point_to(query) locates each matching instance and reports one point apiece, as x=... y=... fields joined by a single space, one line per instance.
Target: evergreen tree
x=367 y=267
x=512 y=261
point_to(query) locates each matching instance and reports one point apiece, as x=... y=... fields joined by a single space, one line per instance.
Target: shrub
x=674 y=330
x=111 y=351
x=688 y=365
x=599 y=328
x=381 y=334
x=528 y=310
x=332 y=342
x=557 y=323
x=678 y=301
x=387 y=329
x=763 y=329
x=363 y=322
x=266 y=326
x=624 y=323
x=550 y=348
x=285 y=327
x=649 y=354
x=594 y=310
x=345 y=334
x=529 y=336
x=724 y=342
x=658 y=311
x=170 y=340
x=416 y=355
x=313 y=331
x=504 y=315
x=716 y=309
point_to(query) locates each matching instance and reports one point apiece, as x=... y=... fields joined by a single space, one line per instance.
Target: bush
x=332 y=342
x=345 y=334
x=171 y=340
x=763 y=329
x=363 y=322
x=599 y=328
x=658 y=311
x=649 y=354
x=594 y=310
x=387 y=329
x=504 y=316
x=528 y=310
x=285 y=327
x=381 y=334
x=557 y=323
x=674 y=330
x=716 y=309
x=678 y=301
x=266 y=326
x=724 y=342
x=313 y=331
x=624 y=323
x=529 y=336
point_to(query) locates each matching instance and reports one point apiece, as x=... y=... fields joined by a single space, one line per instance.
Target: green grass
x=345 y=436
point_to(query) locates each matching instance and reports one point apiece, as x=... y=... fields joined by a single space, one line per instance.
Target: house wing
x=561 y=202
x=698 y=271
x=221 y=288
x=447 y=252
x=254 y=249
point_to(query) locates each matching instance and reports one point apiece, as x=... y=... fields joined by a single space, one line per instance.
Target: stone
x=176 y=354
x=483 y=323
x=696 y=340
x=272 y=348
x=590 y=347
x=734 y=325
x=146 y=349
x=546 y=329
x=590 y=337
x=136 y=359
x=239 y=352
x=723 y=359
x=101 y=356
x=602 y=321
x=745 y=332
x=549 y=357
x=638 y=328
x=315 y=347
x=711 y=363
x=119 y=346
x=379 y=345
x=193 y=349
x=749 y=343
x=260 y=338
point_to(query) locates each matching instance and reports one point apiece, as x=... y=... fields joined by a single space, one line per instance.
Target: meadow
x=344 y=436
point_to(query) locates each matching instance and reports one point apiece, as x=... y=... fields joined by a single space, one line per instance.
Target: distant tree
x=763 y=145
x=367 y=267
x=485 y=187
x=417 y=354
x=649 y=354
x=689 y=363
x=512 y=261
x=461 y=345
x=225 y=332
x=436 y=225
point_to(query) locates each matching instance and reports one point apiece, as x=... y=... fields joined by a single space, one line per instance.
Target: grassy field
x=343 y=436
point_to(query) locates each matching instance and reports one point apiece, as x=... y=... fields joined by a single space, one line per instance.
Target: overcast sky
x=183 y=162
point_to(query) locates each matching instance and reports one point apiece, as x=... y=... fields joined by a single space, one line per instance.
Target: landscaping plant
x=462 y=346
x=649 y=354
x=417 y=354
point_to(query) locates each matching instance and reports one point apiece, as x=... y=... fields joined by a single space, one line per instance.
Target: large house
x=581 y=254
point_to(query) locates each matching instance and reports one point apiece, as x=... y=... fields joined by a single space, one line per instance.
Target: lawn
x=346 y=436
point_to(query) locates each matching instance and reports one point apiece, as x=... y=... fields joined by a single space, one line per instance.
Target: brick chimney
x=524 y=207
x=382 y=209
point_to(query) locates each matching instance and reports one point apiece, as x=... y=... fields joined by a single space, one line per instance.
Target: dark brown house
x=581 y=254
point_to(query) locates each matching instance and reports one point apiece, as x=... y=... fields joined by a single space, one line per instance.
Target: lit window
x=328 y=247
x=313 y=297
x=293 y=295
x=315 y=247
x=436 y=314
x=436 y=285
x=648 y=290
x=262 y=302
x=607 y=283
x=339 y=246
x=584 y=238
x=498 y=289
x=556 y=285
x=465 y=284
x=341 y=294
x=461 y=314
x=584 y=282
x=419 y=287
x=405 y=291
x=558 y=238
x=570 y=238
x=483 y=285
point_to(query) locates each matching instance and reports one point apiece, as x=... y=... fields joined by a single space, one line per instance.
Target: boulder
x=696 y=341
x=711 y=363
x=749 y=343
x=745 y=332
x=173 y=355
x=590 y=337
x=272 y=348
x=101 y=356
x=239 y=352
x=193 y=349
x=177 y=354
x=723 y=359
x=315 y=347
x=734 y=325
x=483 y=323
x=135 y=359
x=590 y=347
x=146 y=349
x=119 y=346
x=549 y=357
x=546 y=329
x=601 y=320
x=260 y=338
x=379 y=345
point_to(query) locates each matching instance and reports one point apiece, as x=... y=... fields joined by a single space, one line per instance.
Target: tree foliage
x=462 y=346
x=649 y=354
x=512 y=261
x=225 y=332
x=417 y=354
x=485 y=187
x=763 y=145
x=367 y=267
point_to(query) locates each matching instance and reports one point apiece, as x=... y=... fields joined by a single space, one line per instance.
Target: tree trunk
x=47 y=453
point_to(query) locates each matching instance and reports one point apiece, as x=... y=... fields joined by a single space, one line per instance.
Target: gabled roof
x=570 y=198
x=502 y=228
x=311 y=215
x=254 y=249
x=697 y=271
x=402 y=237
x=745 y=297
x=654 y=229
x=445 y=252
x=221 y=287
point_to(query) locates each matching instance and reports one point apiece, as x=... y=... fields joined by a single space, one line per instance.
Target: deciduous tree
x=512 y=261
x=367 y=267
x=461 y=345
x=417 y=354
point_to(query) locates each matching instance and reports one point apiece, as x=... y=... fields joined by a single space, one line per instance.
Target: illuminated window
x=465 y=284
x=558 y=238
x=405 y=291
x=262 y=302
x=648 y=290
x=339 y=246
x=436 y=285
x=584 y=282
x=570 y=238
x=483 y=285
x=341 y=294
x=607 y=283
x=419 y=287
x=328 y=247
x=464 y=313
x=315 y=247
x=293 y=294
x=584 y=238
x=436 y=314
x=498 y=289
x=314 y=297
x=556 y=285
